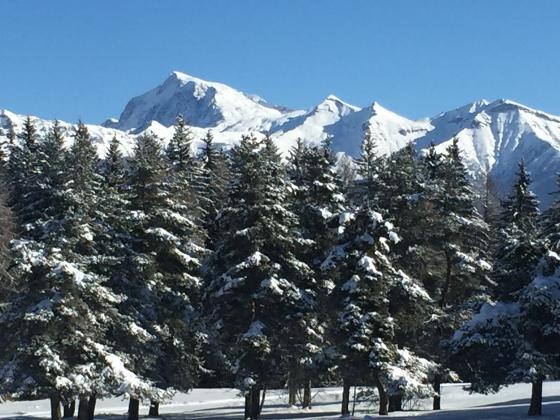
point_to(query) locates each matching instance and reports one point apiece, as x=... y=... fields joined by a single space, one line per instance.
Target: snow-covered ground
x=207 y=404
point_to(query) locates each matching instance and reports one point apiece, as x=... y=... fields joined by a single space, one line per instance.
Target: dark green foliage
x=161 y=269
x=211 y=187
x=56 y=323
x=317 y=201
x=253 y=300
x=518 y=236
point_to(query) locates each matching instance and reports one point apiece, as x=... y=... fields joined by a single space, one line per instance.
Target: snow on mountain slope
x=312 y=125
x=101 y=135
x=203 y=104
x=493 y=136
x=391 y=131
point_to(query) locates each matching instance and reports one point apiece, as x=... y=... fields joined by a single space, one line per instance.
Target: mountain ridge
x=493 y=135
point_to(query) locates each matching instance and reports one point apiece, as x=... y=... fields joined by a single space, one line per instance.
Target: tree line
x=169 y=269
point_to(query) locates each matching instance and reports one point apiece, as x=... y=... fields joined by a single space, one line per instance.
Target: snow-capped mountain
x=203 y=104
x=494 y=136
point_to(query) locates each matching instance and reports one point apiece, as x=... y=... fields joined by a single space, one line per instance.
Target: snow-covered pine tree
x=8 y=282
x=253 y=302
x=25 y=172
x=452 y=253
x=317 y=201
x=368 y=185
x=211 y=191
x=404 y=295
x=550 y=223
x=515 y=338
x=179 y=149
x=113 y=168
x=363 y=326
x=518 y=237
x=161 y=271
x=401 y=185
x=56 y=324
x=186 y=174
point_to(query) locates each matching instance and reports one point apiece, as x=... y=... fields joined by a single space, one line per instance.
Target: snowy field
x=214 y=404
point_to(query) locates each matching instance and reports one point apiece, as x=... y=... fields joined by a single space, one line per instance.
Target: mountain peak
x=203 y=104
x=339 y=103
x=333 y=98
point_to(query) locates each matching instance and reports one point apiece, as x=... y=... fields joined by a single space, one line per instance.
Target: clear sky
x=73 y=59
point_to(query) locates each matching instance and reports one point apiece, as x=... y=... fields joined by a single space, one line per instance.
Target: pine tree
x=160 y=273
x=179 y=149
x=450 y=253
x=213 y=179
x=518 y=236
x=317 y=202
x=401 y=187
x=370 y=166
x=550 y=225
x=24 y=171
x=254 y=304
x=363 y=325
x=53 y=254
x=114 y=164
x=515 y=338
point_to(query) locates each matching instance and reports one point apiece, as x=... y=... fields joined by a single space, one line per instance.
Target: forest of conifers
x=172 y=268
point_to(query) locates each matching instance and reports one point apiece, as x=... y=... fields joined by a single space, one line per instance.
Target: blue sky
x=73 y=59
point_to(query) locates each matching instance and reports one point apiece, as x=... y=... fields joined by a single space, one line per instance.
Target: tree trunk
x=307 y=395
x=395 y=402
x=437 y=390
x=345 y=398
x=154 y=408
x=133 y=409
x=248 y=396
x=83 y=409
x=292 y=395
x=91 y=407
x=383 y=400
x=447 y=284
x=255 y=402
x=535 y=409
x=252 y=403
x=55 y=408
x=261 y=405
x=69 y=409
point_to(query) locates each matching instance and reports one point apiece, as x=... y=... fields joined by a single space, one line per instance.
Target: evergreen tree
x=507 y=341
x=363 y=325
x=518 y=237
x=214 y=176
x=179 y=149
x=550 y=225
x=253 y=300
x=160 y=274
x=114 y=164
x=370 y=166
x=57 y=323
x=449 y=253
x=317 y=203
x=25 y=174
x=401 y=188
x=515 y=338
